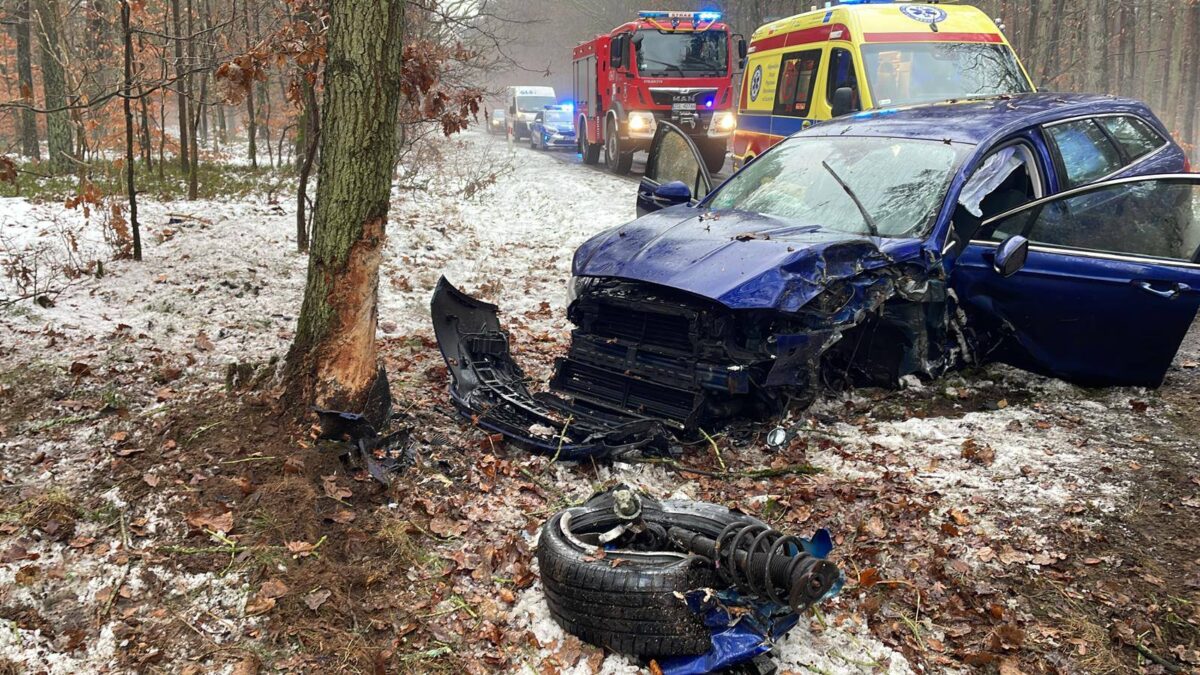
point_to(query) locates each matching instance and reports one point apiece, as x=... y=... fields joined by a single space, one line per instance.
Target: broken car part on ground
x=698 y=582
x=863 y=251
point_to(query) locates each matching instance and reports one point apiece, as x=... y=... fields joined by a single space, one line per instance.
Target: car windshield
x=557 y=117
x=900 y=74
x=899 y=183
x=534 y=103
x=681 y=54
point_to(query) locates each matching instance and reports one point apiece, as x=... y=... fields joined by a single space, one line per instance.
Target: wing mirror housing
x=843 y=101
x=671 y=194
x=1011 y=256
x=617 y=49
x=742 y=52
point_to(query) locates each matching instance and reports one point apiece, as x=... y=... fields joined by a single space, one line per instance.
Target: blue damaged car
x=1058 y=233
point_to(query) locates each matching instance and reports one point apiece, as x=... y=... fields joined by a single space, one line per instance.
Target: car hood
x=742 y=260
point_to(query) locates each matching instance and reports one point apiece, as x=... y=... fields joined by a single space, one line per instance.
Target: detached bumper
x=488 y=387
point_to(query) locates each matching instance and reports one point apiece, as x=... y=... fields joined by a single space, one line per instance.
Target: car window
x=841 y=74
x=675 y=160
x=797 y=79
x=1085 y=151
x=900 y=183
x=1134 y=136
x=1153 y=218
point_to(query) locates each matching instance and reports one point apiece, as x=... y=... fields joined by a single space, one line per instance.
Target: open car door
x=675 y=172
x=1109 y=284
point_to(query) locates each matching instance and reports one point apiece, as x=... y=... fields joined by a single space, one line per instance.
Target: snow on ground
x=222 y=282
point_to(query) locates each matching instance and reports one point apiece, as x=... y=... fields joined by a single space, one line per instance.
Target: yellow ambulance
x=863 y=54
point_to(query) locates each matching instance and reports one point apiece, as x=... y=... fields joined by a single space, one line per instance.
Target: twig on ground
x=716 y=450
x=1145 y=651
x=792 y=470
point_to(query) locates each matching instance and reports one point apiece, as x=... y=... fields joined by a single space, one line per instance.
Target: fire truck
x=672 y=66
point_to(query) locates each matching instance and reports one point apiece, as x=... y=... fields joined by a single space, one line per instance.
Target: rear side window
x=1085 y=150
x=797 y=79
x=841 y=74
x=1135 y=137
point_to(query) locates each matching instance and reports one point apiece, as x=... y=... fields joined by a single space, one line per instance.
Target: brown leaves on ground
x=212 y=520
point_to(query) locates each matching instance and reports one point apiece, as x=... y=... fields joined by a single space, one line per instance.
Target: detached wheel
x=713 y=151
x=629 y=600
x=617 y=161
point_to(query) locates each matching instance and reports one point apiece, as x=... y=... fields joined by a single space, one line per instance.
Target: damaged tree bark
x=332 y=361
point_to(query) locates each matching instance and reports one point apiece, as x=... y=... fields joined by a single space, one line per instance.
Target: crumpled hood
x=742 y=260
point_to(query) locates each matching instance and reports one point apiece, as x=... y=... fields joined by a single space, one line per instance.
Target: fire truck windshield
x=702 y=54
x=900 y=74
x=530 y=104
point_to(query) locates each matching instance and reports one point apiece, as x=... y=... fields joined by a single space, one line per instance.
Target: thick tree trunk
x=333 y=359
x=130 y=189
x=54 y=85
x=28 y=123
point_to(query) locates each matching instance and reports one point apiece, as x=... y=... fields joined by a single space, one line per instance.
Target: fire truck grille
x=667 y=97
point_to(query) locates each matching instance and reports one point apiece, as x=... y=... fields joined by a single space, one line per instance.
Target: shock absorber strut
x=760 y=561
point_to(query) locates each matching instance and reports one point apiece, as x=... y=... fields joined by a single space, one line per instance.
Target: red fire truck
x=674 y=66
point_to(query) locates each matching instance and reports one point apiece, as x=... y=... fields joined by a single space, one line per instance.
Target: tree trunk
x=333 y=358
x=129 y=156
x=28 y=123
x=251 y=120
x=194 y=114
x=182 y=96
x=54 y=85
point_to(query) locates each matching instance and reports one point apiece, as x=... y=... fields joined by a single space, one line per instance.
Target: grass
x=214 y=180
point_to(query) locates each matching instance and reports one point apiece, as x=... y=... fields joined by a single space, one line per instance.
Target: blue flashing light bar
x=707 y=17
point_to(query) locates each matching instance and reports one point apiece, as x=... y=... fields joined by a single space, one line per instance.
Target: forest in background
x=1145 y=49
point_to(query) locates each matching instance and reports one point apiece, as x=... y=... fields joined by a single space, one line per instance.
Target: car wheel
x=634 y=606
x=617 y=161
x=713 y=151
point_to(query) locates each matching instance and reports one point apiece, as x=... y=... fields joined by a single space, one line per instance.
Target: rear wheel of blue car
x=631 y=602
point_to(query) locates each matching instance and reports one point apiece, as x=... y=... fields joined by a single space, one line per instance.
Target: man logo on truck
x=756 y=83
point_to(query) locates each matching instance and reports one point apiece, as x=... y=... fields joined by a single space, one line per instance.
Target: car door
x=674 y=163
x=1110 y=286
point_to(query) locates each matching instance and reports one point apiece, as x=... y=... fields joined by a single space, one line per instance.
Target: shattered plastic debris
x=382 y=456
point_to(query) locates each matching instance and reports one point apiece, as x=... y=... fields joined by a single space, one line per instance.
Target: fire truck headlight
x=641 y=124
x=723 y=123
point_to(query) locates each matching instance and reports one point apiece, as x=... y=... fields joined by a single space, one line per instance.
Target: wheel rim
x=611 y=151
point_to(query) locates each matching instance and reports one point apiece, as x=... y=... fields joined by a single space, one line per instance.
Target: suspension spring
x=758 y=560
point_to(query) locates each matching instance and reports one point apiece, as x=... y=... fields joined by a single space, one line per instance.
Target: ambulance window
x=1085 y=151
x=841 y=74
x=1134 y=136
x=797 y=78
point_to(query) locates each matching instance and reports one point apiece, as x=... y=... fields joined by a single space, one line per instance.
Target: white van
x=523 y=103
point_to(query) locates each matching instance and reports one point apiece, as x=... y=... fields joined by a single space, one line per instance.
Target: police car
x=553 y=128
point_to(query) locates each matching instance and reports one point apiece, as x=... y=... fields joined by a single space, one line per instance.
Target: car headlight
x=642 y=124
x=577 y=286
x=723 y=123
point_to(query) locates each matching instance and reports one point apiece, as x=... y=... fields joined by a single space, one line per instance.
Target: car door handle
x=1170 y=293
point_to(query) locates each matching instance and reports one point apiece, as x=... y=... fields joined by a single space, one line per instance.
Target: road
x=635 y=175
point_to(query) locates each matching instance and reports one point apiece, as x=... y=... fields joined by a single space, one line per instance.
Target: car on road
x=495 y=122
x=1058 y=233
x=553 y=129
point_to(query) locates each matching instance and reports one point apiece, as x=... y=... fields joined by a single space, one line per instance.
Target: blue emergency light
x=707 y=17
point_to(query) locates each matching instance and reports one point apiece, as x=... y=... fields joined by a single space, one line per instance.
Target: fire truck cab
x=673 y=66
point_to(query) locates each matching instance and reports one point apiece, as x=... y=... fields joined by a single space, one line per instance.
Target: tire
x=632 y=608
x=713 y=152
x=617 y=161
x=589 y=152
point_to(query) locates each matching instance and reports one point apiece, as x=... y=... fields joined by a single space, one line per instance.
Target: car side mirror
x=742 y=52
x=673 y=193
x=1011 y=255
x=843 y=101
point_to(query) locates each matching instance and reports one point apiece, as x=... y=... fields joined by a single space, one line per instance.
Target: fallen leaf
x=273 y=588
x=207 y=520
x=260 y=604
x=868 y=577
x=300 y=549
x=203 y=344
x=119 y=436
x=317 y=598
x=447 y=528
x=332 y=489
x=152 y=480
x=343 y=516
